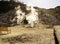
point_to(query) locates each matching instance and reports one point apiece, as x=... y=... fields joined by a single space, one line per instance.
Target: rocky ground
x=41 y=34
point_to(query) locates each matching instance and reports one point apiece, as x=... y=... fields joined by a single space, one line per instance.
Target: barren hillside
x=46 y=32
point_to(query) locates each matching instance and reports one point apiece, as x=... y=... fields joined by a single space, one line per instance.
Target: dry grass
x=22 y=35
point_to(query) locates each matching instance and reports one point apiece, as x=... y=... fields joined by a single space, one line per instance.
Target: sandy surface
x=22 y=35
